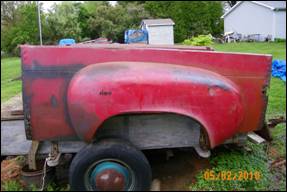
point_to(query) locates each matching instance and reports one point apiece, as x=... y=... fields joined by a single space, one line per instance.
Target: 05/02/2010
x=230 y=175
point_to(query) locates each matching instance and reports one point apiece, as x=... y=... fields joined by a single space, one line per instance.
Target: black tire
x=110 y=149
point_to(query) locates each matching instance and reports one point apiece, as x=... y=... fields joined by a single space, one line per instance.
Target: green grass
x=11 y=185
x=277 y=50
x=14 y=185
x=236 y=160
x=276 y=98
x=10 y=69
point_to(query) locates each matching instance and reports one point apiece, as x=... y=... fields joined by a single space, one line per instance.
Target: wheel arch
x=204 y=132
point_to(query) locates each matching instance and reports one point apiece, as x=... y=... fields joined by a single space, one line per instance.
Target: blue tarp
x=67 y=42
x=136 y=36
x=279 y=69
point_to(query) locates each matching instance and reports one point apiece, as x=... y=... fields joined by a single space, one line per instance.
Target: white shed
x=160 y=31
x=267 y=18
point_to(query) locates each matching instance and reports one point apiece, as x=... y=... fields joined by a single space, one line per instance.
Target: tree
x=62 y=21
x=231 y=3
x=111 y=22
x=191 y=18
x=8 y=11
x=127 y=3
x=23 y=29
x=82 y=20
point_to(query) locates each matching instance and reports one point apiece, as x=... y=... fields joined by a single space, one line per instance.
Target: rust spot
x=211 y=91
x=110 y=180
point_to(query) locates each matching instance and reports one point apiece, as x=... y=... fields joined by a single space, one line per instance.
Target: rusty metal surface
x=242 y=77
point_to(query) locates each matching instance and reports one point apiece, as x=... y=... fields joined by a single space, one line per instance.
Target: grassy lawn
x=278 y=50
x=10 y=69
x=258 y=158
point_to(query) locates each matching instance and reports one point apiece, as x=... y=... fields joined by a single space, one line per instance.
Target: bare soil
x=15 y=103
x=178 y=172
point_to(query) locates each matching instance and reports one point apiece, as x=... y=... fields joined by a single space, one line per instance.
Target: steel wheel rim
x=91 y=168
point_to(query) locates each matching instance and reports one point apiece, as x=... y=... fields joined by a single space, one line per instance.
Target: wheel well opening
x=154 y=130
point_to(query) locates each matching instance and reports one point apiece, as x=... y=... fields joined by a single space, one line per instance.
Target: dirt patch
x=179 y=171
x=278 y=170
x=13 y=104
x=273 y=152
x=275 y=121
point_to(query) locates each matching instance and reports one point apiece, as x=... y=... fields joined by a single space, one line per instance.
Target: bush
x=278 y=40
x=201 y=40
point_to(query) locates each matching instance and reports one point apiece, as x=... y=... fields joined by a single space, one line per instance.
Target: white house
x=257 y=17
x=160 y=31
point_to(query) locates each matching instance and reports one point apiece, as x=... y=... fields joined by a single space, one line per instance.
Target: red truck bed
x=224 y=92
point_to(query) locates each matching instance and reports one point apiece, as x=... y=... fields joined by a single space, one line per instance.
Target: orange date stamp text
x=232 y=175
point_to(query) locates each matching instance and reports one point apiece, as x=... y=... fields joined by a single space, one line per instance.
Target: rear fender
x=101 y=91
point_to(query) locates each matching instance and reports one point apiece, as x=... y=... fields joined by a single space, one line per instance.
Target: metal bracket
x=253 y=137
x=54 y=155
x=32 y=154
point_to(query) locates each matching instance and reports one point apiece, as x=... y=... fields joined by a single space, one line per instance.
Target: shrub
x=201 y=40
x=278 y=40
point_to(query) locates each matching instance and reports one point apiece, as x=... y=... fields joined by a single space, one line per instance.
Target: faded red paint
x=226 y=101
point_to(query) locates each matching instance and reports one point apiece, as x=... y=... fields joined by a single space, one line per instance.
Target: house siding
x=249 y=18
x=280 y=24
